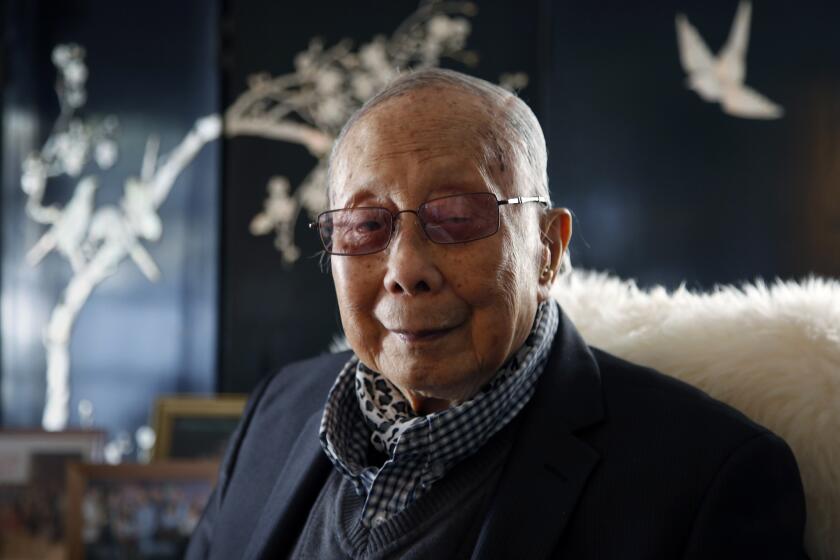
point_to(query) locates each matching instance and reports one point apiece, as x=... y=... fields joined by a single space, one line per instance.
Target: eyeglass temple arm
x=523 y=199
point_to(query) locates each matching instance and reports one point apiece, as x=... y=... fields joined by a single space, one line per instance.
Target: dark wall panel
x=154 y=66
x=666 y=187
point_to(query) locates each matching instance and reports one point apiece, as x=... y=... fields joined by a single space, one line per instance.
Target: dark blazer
x=611 y=461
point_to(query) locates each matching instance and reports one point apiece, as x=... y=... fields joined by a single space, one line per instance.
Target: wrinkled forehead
x=428 y=126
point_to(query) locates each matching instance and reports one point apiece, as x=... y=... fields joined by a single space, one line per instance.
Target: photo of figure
x=33 y=475
x=28 y=518
x=140 y=520
x=136 y=511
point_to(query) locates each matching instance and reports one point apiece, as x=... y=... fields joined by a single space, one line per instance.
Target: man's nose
x=412 y=269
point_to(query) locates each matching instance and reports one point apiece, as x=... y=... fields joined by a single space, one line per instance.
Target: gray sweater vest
x=443 y=523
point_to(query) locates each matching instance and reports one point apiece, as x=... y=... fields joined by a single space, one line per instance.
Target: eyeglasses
x=458 y=218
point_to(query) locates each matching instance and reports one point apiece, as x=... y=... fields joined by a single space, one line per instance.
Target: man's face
x=436 y=320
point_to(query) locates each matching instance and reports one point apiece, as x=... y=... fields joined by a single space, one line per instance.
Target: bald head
x=506 y=128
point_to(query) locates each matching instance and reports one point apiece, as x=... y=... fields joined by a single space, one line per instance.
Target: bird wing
x=747 y=103
x=73 y=224
x=143 y=260
x=694 y=54
x=42 y=248
x=150 y=157
x=732 y=63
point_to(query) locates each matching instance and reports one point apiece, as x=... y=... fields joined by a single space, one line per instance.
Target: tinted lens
x=355 y=231
x=460 y=218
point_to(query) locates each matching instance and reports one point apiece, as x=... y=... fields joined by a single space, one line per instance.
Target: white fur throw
x=772 y=352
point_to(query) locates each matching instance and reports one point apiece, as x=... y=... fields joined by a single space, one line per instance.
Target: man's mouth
x=425 y=335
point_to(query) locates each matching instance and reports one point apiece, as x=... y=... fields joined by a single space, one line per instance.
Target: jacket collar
x=297 y=487
x=548 y=465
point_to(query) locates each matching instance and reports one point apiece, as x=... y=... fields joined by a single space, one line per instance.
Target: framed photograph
x=33 y=466
x=135 y=511
x=195 y=427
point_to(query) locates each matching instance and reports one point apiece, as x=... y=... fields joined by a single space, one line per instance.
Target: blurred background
x=160 y=162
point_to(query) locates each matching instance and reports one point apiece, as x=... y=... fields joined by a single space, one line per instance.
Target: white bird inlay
x=721 y=79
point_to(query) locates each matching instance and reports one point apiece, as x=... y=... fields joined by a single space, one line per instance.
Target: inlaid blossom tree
x=95 y=240
x=309 y=106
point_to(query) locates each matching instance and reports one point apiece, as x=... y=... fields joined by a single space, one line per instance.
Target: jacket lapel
x=548 y=465
x=296 y=488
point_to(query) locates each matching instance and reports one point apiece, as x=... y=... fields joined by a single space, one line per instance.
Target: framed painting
x=195 y=427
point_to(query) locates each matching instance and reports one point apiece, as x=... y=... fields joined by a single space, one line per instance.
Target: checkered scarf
x=363 y=406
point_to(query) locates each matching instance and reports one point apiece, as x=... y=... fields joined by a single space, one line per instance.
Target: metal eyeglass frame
x=394 y=215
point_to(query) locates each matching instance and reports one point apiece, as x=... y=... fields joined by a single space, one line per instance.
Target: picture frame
x=191 y=427
x=135 y=510
x=33 y=466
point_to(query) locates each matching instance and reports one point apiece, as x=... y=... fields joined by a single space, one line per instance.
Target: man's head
x=509 y=120
x=439 y=319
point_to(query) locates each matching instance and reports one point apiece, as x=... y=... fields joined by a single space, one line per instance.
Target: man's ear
x=555 y=234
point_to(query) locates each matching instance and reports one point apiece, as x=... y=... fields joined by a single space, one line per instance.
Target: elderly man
x=470 y=420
